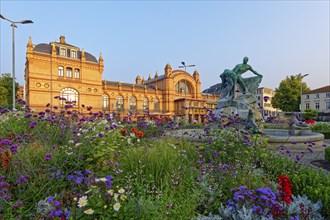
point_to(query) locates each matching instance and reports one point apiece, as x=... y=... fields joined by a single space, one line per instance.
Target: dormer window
x=63 y=52
x=73 y=54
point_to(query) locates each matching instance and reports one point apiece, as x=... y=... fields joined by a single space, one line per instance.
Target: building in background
x=319 y=100
x=264 y=99
x=74 y=76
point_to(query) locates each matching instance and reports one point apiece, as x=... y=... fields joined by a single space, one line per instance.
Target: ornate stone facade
x=62 y=70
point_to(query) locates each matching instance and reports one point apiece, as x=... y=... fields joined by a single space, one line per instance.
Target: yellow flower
x=82 y=201
x=121 y=191
x=123 y=197
x=116 y=206
x=89 y=211
x=75 y=199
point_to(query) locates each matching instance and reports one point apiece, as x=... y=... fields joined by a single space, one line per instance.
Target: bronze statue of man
x=232 y=77
x=239 y=69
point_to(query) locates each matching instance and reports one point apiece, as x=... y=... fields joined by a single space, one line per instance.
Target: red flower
x=284 y=186
x=140 y=133
x=4 y=159
x=123 y=131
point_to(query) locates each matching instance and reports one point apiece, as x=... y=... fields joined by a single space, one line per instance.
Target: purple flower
x=58 y=212
x=5 y=142
x=33 y=124
x=216 y=153
x=50 y=199
x=14 y=148
x=257 y=209
x=28 y=116
x=17 y=204
x=57 y=203
x=8 y=196
x=22 y=179
x=108 y=182
x=48 y=156
x=4 y=184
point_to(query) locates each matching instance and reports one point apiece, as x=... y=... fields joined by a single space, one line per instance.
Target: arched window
x=156 y=105
x=132 y=103
x=70 y=95
x=69 y=72
x=182 y=87
x=61 y=71
x=105 y=102
x=120 y=103
x=145 y=104
x=76 y=73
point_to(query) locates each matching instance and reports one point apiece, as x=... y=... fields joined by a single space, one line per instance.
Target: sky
x=281 y=38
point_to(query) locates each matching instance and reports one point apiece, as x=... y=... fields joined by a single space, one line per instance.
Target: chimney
x=62 y=39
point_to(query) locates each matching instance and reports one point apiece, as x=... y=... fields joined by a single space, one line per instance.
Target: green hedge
x=327 y=154
x=326 y=135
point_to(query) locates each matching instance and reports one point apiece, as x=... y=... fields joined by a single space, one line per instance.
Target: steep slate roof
x=155 y=79
x=115 y=83
x=43 y=48
x=213 y=89
x=47 y=48
x=319 y=90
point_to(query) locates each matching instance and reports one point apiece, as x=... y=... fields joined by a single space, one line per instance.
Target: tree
x=287 y=97
x=6 y=89
x=309 y=114
x=3 y=96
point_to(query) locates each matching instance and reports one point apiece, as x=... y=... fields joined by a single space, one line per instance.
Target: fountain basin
x=276 y=138
x=297 y=142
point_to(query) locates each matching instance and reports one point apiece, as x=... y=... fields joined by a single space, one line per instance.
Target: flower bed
x=84 y=165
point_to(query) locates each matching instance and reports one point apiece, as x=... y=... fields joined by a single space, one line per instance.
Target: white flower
x=103 y=179
x=110 y=192
x=121 y=190
x=128 y=140
x=71 y=141
x=89 y=211
x=116 y=206
x=82 y=201
x=115 y=196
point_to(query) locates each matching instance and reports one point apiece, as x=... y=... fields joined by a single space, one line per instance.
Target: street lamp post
x=185 y=88
x=300 y=104
x=13 y=52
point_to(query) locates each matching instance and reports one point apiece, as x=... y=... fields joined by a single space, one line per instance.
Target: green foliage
x=321 y=127
x=309 y=114
x=287 y=97
x=6 y=89
x=327 y=155
x=3 y=96
x=315 y=184
x=66 y=156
